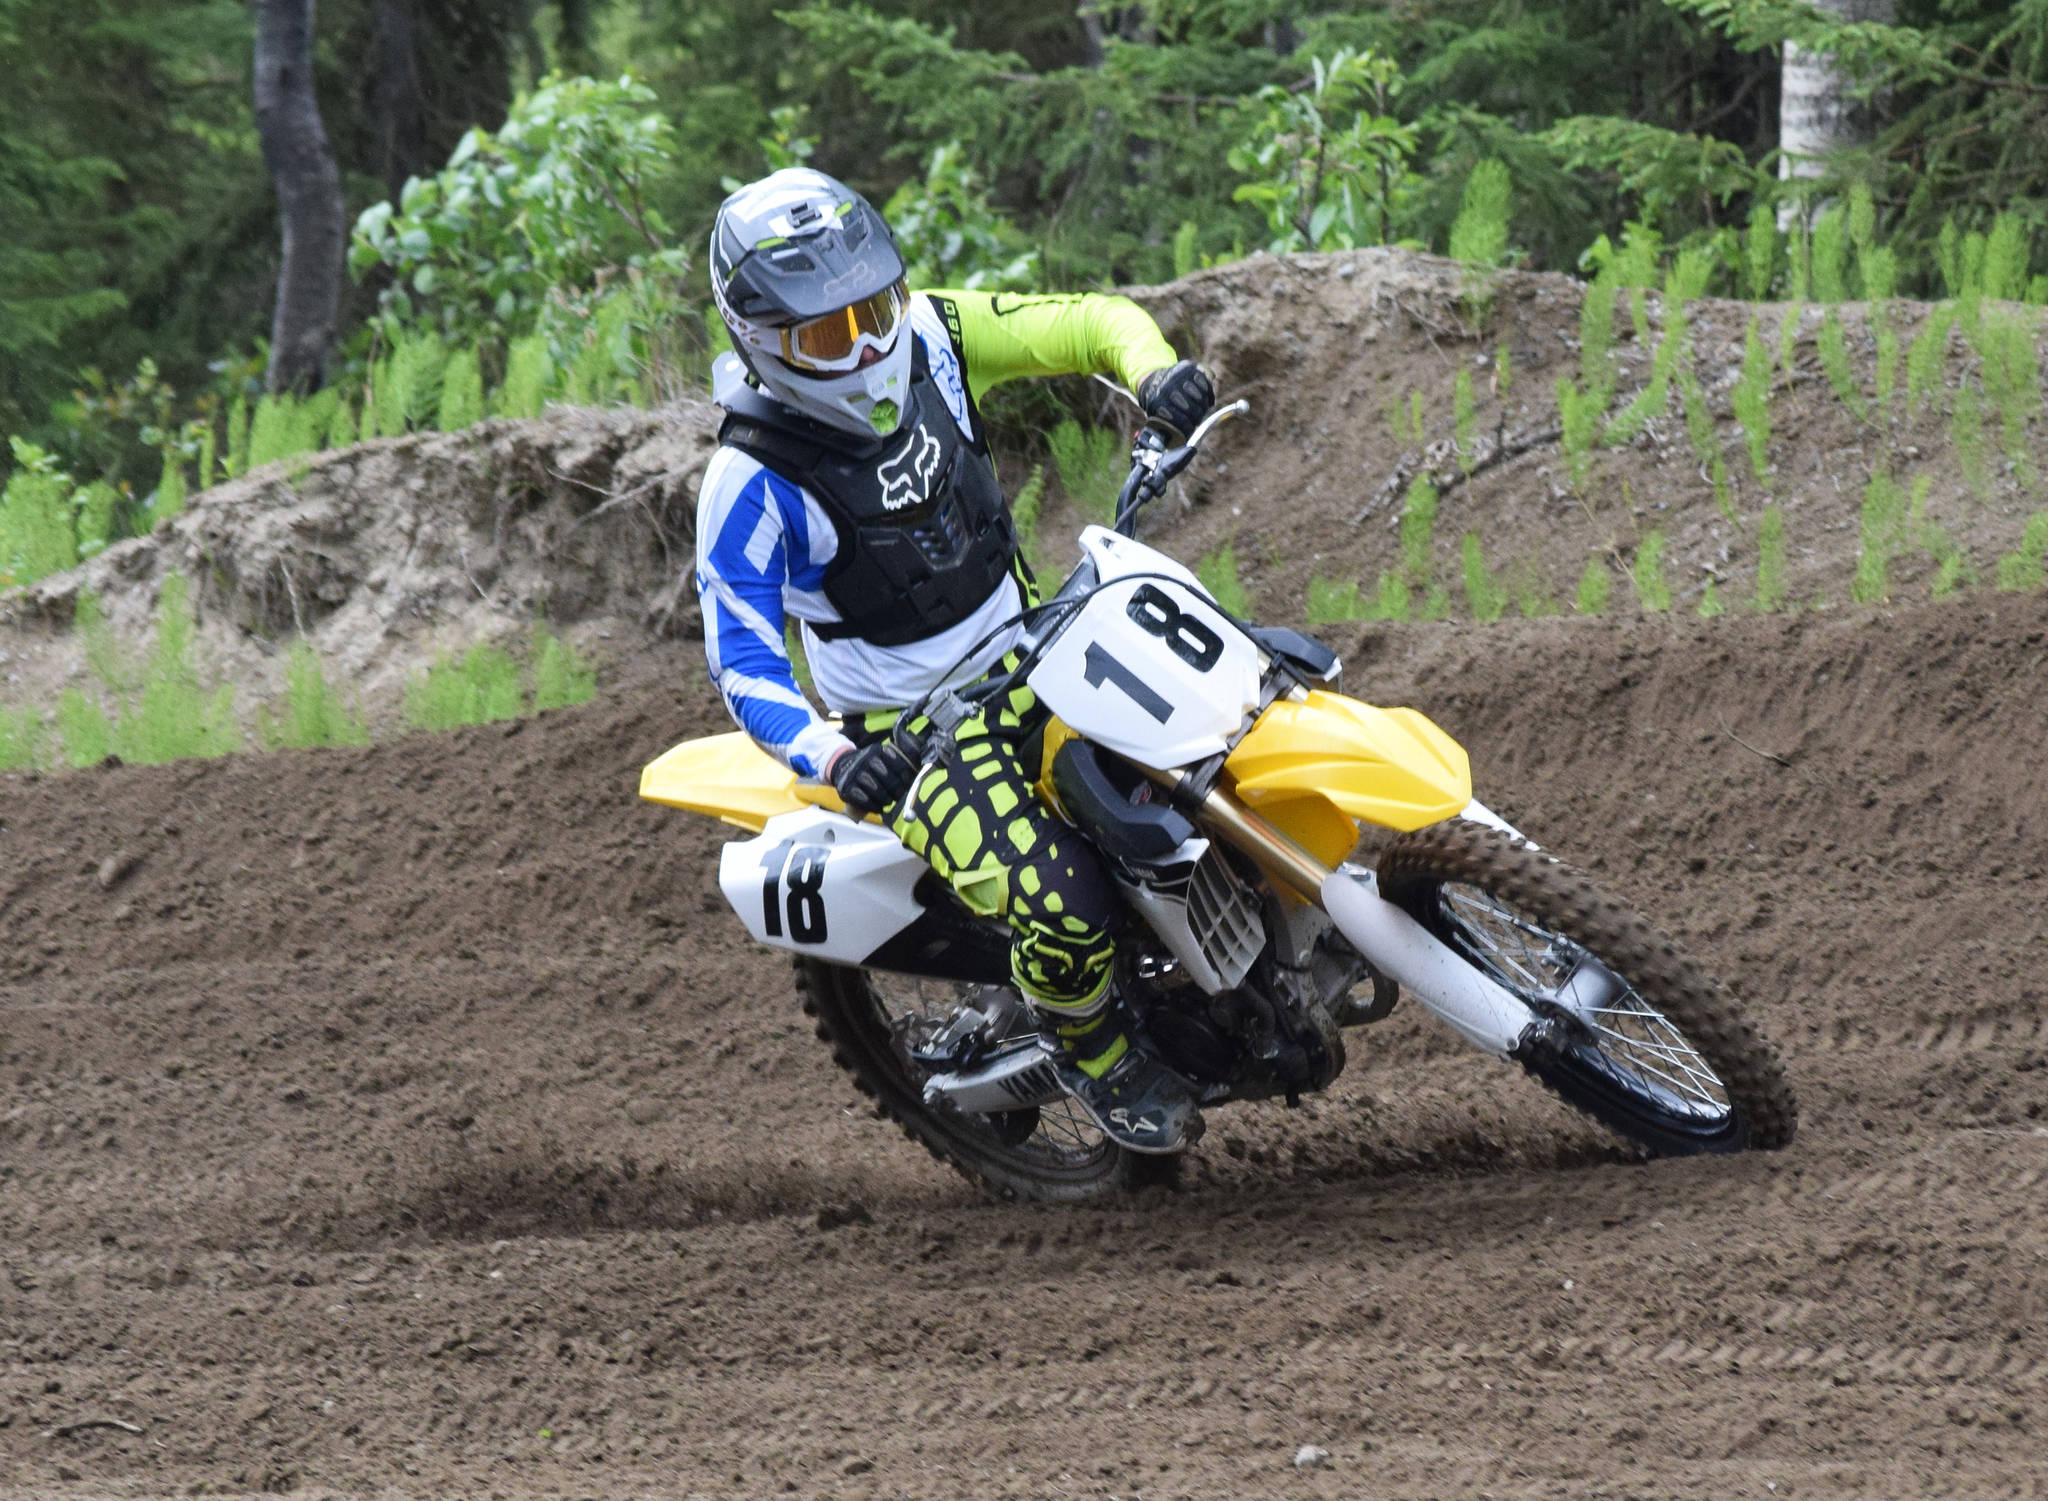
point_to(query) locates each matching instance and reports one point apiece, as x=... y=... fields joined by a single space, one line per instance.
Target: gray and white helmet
x=810 y=283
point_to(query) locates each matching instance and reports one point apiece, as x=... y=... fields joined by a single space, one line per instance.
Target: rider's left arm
x=1004 y=337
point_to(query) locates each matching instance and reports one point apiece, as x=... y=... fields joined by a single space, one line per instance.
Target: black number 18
x=806 y=902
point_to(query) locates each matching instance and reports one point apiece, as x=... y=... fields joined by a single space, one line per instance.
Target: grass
x=1596 y=587
x=486 y=684
x=2025 y=568
x=22 y=740
x=313 y=714
x=1218 y=574
x=1653 y=593
x=1334 y=601
x=1485 y=595
x=1418 y=531
x=1091 y=463
x=1465 y=419
x=1883 y=531
x=1752 y=401
x=1770 y=560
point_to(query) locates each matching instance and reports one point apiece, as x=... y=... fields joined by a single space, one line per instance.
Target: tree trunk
x=395 y=99
x=308 y=187
x=1816 y=116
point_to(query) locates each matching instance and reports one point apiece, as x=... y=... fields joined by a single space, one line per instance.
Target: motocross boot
x=1140 y=1103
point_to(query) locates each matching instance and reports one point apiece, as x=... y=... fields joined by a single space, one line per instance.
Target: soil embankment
x=415 y=1120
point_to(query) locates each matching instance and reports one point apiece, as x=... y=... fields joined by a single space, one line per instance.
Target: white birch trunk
x=1816 y=116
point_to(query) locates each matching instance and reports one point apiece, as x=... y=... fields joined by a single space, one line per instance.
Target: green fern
x=1596 y=587
x=2025 y=568
x=1218 y=574
x=1770 y=560
x=1485 y=595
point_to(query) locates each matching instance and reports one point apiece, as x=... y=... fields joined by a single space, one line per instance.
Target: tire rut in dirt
x=1762 y=1112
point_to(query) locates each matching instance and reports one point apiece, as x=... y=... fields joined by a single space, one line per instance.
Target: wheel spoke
x=1065 y=1135
x=1636 y=1043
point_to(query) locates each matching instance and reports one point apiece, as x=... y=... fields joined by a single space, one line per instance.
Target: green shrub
x=341 y=427
x=1465 y=419
x=1218 y=574
x=2012 y=379
x=561 y=677
x=1760 y=251
x=1770 y=560
x=1788 y=337
x=1578 y=415
x=1418 y=528
x=1532 y=599
x=462 y=391
x=236 y=461
x=1393 y=601
x=529 y=374
x=1186 y=255
x=37 y=531
x=1090 y=463
x=1830 y=244
x=1834 y=359
x=1752 y=401
x=1479 y=235
x=479 y=687
x=1652 y=592
x=270 y=432
x=313 y=713
x=1333 y=601
x=1966 y=436
x=603 y=369
x=1596 y=587
x=1927 y=356
x=405 y=389
x=169 y=499
x=173 y=717
x=1025 y=507
x=2023 y=569
x=82 y=725
x=1710 y=601
x=21 y=740
x=1883 y=528
x=1486 y=596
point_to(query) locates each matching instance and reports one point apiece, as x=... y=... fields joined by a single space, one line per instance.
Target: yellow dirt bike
x=1227 y=784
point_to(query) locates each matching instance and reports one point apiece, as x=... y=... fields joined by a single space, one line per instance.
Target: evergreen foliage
x=1090 y=463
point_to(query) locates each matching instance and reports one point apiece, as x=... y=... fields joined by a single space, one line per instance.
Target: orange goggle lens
x=830 y=340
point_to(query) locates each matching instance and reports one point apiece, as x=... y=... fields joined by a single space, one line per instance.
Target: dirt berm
x=414 y=1121
x=387 y=552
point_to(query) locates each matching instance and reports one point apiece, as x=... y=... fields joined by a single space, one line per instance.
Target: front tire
x=1052 y=1155
x=1667 y=1060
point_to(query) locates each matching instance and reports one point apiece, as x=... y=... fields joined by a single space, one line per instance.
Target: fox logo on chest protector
x=907 y=478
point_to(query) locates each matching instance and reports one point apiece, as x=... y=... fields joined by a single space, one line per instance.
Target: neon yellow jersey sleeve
x=1004 y=336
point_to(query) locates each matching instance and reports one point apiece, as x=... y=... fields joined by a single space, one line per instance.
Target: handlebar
x=1154 y=465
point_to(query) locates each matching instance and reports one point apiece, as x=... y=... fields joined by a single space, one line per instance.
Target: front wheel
x=1631 y=1031
x=1053 y=1153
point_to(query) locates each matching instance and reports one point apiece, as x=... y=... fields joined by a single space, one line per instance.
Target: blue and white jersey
x=763 y=545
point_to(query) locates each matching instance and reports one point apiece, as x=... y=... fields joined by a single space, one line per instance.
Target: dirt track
x=414 y=1120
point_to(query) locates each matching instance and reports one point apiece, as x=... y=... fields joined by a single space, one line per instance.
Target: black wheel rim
x=1064 y=1140
x=1623 y=1047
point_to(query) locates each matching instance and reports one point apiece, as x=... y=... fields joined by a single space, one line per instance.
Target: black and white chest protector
x=924 y=537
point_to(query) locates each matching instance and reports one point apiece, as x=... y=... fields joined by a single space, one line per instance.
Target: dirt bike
x=1226 y=783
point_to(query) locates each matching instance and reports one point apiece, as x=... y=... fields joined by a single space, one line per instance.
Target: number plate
x=821 y=884
x=1151 y=669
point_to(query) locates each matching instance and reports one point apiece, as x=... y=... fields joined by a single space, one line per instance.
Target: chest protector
x=924 y=537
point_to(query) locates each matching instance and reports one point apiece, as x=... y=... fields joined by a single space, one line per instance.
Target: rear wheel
x=1636 y=1035
x=1053 y=1153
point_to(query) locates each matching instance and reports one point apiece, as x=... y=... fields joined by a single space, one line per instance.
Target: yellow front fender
x=1318 y=767
x=730 y=777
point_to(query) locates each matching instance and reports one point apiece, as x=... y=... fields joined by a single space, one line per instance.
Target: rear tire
x=1048 y=1160
x=1671 y=1063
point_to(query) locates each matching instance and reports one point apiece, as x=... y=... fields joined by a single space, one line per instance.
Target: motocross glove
x=871 y=777
x=1177 y=395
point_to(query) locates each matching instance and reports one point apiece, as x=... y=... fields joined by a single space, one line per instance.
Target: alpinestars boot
x=1139 y=1102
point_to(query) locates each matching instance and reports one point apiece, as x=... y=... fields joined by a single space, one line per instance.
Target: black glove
x=871 y=777
x=1179 y=395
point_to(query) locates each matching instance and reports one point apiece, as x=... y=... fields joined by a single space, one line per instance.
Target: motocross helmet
x=810 y=284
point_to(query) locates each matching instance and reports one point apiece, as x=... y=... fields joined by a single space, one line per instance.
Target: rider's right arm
x=753 y=541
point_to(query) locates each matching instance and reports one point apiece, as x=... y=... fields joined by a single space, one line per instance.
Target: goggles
x=836 y=341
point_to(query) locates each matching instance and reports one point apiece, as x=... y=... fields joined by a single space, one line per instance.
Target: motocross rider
x=853 y=490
